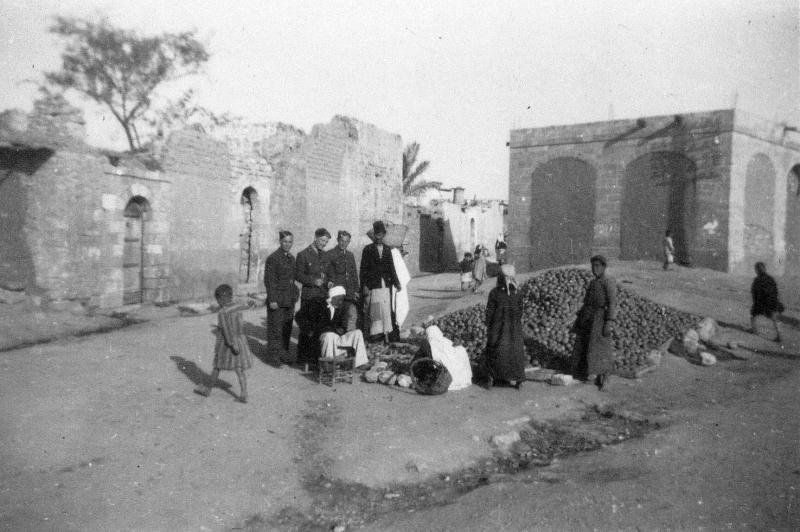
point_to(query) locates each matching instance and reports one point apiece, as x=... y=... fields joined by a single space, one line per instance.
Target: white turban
x=336 y=291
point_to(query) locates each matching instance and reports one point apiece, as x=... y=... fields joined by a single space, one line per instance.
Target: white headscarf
x=333 y=292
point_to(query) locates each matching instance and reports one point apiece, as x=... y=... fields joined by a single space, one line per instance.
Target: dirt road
x=104 y=433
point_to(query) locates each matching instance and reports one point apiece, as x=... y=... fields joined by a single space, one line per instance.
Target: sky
x=453 y=76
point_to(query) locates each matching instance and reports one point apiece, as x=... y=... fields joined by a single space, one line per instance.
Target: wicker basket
x=395 y=235
x=430 y=377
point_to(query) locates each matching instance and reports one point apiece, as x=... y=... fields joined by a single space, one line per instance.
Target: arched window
x=137 y=213
x=248 y=258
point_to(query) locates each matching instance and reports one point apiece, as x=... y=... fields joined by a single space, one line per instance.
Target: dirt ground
x=103 y=432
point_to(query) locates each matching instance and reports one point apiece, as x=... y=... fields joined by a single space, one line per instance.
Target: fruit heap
x=550 y=304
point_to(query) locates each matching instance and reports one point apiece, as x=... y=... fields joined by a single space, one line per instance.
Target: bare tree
x=120 y=68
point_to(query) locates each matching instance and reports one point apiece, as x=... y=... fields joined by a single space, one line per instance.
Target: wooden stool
x=341 y=368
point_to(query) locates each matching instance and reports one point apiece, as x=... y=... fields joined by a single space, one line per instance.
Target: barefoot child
x=231 y=351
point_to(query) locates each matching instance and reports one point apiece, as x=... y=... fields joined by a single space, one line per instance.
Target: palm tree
x=412 y=187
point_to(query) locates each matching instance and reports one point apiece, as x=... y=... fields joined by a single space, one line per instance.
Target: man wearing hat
x=378 y=279
x=310 y=272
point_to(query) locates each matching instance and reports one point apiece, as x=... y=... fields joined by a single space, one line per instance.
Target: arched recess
x=562 y=212
x=137 y=213
x=792 y=232
x=248 y=250
x=759 y=211
x=658 y=194
x=473 y=235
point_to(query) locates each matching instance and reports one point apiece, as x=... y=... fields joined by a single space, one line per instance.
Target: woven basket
x=430 y=377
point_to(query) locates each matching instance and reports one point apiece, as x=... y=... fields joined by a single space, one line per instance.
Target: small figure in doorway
x=765 y=299
x=479 y=267
x=231 y=351
x=669 y=250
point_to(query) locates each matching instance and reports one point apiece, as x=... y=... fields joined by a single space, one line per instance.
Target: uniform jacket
x=342 y=271
x=375 y=268
x=279 y=279
x=310 y=266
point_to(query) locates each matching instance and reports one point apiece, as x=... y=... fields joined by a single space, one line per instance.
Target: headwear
x=378 y=227
x=508 y=274
x=599 y=258
x=336 y=291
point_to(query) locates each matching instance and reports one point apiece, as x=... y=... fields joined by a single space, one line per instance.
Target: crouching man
x=334 y=329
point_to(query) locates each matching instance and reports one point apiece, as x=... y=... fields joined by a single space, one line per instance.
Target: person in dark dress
x=765 y=299
x=282 y=295
x=378 y=280
x=505 y=350
x=342 y=272
x=594 y=344
x=311 y=272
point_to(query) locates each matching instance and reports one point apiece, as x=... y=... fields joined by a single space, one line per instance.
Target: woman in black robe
x=505 y=350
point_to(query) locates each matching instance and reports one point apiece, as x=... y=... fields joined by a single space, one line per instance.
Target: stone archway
x=792 y=232
x=562 y=212
x=759 y=211
x=658 y=195
x=137 y=214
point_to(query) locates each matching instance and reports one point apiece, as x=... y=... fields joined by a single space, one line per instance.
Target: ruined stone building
x=78 y=226
x=725 y=183
x=442 y=229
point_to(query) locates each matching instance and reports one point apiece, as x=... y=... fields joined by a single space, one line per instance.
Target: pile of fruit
x=550 y=304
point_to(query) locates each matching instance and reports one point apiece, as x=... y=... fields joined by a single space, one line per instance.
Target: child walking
x=231 y=351
x=466 y=271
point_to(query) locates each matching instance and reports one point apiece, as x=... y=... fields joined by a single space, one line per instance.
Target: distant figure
x=466 y=271
x=594 y=345
x=479 y=267
x=500 y=249
x=765 y=299
x=669 y=250
x=505 y=350
x=231 y=351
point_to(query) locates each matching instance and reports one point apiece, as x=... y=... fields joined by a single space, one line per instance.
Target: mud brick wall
x=205 y=215
x=629 y=180
x=69 y=227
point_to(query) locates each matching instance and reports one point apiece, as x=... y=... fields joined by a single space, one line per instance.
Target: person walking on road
x=765 y=299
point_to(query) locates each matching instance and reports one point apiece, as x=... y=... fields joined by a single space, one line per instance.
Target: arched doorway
x=562 y=212
x=248 y=257
x=759 y=194
x=792 y=231
x=473 y=235
x=137 y=213
x=658 y=195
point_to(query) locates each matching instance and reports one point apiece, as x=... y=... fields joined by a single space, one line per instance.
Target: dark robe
x=594 y=353
x=765 y=296
x=505 y=350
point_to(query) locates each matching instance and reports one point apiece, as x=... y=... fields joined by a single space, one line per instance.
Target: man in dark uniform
x=342 y=272
x=311 y=272
x=281 y=297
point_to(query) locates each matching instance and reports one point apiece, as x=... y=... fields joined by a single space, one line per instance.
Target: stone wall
x=646 y=176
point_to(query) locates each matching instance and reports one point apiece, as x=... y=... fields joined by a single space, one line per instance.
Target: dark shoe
x=202 y=390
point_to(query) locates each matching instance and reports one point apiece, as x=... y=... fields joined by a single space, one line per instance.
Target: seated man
x=334 y=332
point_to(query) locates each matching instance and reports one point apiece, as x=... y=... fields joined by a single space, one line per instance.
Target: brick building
x=82 y=227
x=725 y=183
